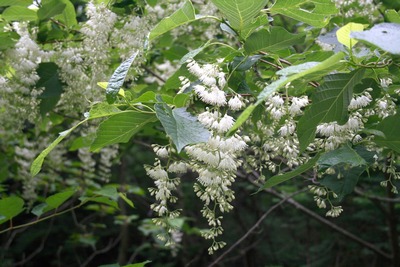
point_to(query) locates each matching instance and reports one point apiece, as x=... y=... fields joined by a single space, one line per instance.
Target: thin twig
x=38 y=249
x=383 y=199
x=255 y=226
x=326 y=222
x=153 y=73
x=111 y=245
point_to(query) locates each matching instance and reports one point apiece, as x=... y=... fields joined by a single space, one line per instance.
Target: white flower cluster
x=217 y=160
x=163 y=194
x=363 y=8
x=275 y=137
x=322 y=197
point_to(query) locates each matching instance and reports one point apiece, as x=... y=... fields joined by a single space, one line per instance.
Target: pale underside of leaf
x=386 y=36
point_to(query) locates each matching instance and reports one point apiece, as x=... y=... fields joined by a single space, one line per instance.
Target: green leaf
x=103 y=200
x=272 y=40
x=117 y=79
x=120 y=128
x=10 y=207
x=68 y=16
x=316 y=13
x=294 y=72
x=390 y=127
x=140 y=264
x=280 y=178
x=343 y=155
x=103 y=109
x=8 y=40
x=15 y=2
x=244 y=63
x=38 y=162
x=109 y=191
x=392 y=16
x=19 y=13
x=180 y=100
x=194 y=53
x=56 y=200
x=127 y=200
x=240 y=13
x=343 y=34
x=386 y=36
x=52 y=202
x=181 y=126
x=329 y=103
x=53 y=88
x=50 y=9
x=345 y=185
x=182 y=16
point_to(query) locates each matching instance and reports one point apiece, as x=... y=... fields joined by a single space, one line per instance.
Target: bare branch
x=254 y=227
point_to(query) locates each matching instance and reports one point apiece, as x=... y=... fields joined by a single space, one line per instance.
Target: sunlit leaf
x=19 y=13
x=343 y=34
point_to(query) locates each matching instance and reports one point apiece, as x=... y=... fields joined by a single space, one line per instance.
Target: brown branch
x=153 y=73
x=254 y=227
x=38 y=249
x=358 y=191
x=111 y=245
x=326 y=222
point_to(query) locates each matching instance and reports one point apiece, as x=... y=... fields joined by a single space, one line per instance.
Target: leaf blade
x=330 y=103
x=120 y=128
x=181 y=126
x=180 y=17
x=117 y=79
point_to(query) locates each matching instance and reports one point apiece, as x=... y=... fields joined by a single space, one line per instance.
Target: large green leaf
x=120 y=128
x=182 y=16
x=68 y=15
x=117 y=79
x=289 y=74
x=52 y=202
x=346 y=162
x=390 y=127
x=386 y=36
x=10 y=207
x=49 y=79
x=15 y=2
x=19 y=13
x=50 y=9
x=274 y=39
x=345 y=185
x=316 y=13
x=343 y=155
x=103 y=109
x=329 y=103
x=240 y=13
x=280 y=178
x=181 y=126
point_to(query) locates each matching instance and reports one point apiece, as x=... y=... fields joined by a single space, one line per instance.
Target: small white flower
x=235 y=103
